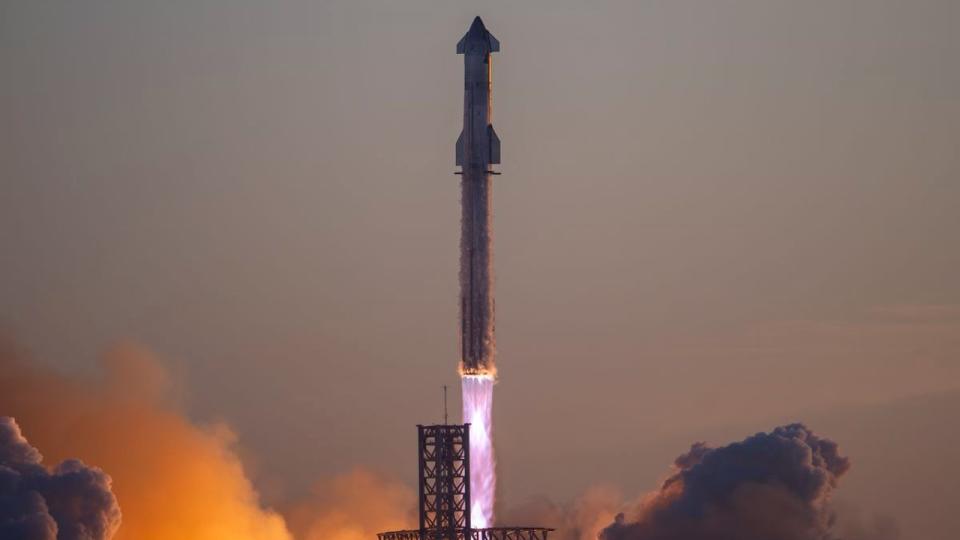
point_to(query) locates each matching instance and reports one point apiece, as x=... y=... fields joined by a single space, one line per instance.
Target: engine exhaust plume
x=478 y=412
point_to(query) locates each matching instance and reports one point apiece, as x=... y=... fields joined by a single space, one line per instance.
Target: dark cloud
x=71 y=502
x=771 y=485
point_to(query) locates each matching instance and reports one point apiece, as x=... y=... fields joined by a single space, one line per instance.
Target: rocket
x=478 y=147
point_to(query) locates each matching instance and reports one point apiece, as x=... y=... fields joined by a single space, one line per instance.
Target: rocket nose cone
x=478 y=38
x=477 y=31
x=477 y=25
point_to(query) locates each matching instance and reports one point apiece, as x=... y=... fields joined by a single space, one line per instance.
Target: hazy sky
x=713 y=216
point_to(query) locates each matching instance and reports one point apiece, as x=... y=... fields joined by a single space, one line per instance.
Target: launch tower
x=444 y=491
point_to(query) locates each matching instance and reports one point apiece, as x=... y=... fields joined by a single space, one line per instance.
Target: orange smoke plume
x=354 y=506
x=172 y=478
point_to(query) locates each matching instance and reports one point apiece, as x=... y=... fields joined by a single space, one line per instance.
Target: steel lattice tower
x=444 y=470
x=444 y=465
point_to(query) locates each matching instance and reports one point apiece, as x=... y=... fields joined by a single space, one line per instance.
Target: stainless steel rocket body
x=477 y=148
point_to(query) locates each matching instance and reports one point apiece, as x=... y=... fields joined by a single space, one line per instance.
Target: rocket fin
x=494 y=145
x=460 y=152
x=493 y=44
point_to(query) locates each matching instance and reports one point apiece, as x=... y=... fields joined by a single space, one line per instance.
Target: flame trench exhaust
x=478 y=147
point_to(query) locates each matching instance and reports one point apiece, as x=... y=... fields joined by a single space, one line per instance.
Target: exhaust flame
x=488 y=371
x=477 y=411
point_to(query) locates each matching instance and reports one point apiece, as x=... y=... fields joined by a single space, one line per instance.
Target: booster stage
x=478 y=147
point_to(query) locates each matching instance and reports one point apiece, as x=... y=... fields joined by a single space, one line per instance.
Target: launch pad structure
x=444 y=491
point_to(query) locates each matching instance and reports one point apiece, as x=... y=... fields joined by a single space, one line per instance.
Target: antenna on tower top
x=444 y=404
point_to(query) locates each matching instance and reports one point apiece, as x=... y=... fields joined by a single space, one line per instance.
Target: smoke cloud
x=172 y=478
x=776 y=485
x=71 y=502
x=353 y=506
x=581 y=519
x=770 y=485
x=176 y=479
